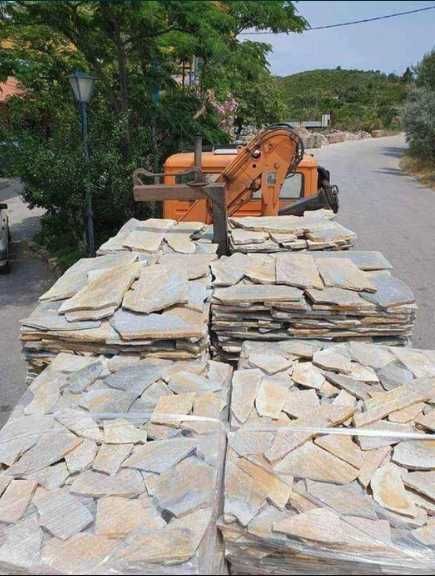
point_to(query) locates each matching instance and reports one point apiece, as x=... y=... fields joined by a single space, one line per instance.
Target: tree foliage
x=144 y=106
x=356 y=99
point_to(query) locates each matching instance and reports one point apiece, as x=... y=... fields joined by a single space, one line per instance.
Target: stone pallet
x=331 y=460
x=115 y=467
x=128 y=302
x=340 y=296
x=313 y=231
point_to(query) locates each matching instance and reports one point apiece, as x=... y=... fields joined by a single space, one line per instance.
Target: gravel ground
x=390 y=212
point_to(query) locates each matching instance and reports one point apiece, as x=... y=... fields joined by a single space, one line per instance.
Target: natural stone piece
x=15 y=500
x=52 y=477
x=123 y=432
x=306 y=374
x=415 y=454
x=358 y=389
x=160 y=456
x=81 y=424
x=184 y=381
x=180 y=242
x=4 y=482
x=244 y=391
x=229 y=270
x=422 y=482
x=373 y=459
x=393 y=375
x=343 y=273
x=416 y=362
x=408 y=414
x=349 y=500
x=427 y=421
x=110 y=457
x=257 y=293
x=239 y=236
x=247 y=442
x=136 y=378
x=381 y=439
x=45 y=394
x=21 y=545
x=62 y=514
x=107 y=400
x=330 y=360
x=186 y=487
x=320 y=525
x=144 y=298
x=389 y=292
x=81 y=457
x=389 y=491
x=343 y=447
x=271 y=398
x=426 y=534
x=243 y=499
x=79 y=380
x=364 y=373
x=194 y=265
x=144 y=240
x=276 y=490
x=261 y=268
x=83 y=553
x=370 y=355
x=169 y=408
x=297 y=270
x=310 y=461
x=128 y=483
x=117 y=517
x=269 y=362
x=301 y=402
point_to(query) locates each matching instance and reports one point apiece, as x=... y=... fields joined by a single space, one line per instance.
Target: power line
x=351 y=22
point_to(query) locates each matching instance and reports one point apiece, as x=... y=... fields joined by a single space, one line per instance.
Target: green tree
x=144 y=107
x=425 y=72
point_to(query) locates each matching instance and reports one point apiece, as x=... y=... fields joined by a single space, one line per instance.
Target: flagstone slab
x=308 y=375
x=128 y=483
x=110 y=457
x=415 y=454
x=389 y=491
x=160 y=456
x=343 y=273
x=122 y=431
x=422 y=482
x=270 y=398
x=117 y=517
x=298 y=270
x=244 y=391
x=81 y=457
x=15 y=500
x=349 y=500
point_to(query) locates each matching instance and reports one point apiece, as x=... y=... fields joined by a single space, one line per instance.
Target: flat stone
x=301 y=402
x=319 y=525
x=21 y=545
x=370 y=355
x=243 y=499
x=330 y=360
x=123 y=432
x=15 y=500
x=169 y=408
x=195 y=265
x=47 y=317
x=62 y=514
x=100 y=314
x=186 y=487
x=83 y=553
x=358 y=389
x=128 y=483
x=373 y=459
x=144 y=298
x=239 y=236
x=110 y=457
x=180 y=242
x=389 y=491
x=144 y=240
x=250 y=442
x=81 y=457
x=276 y=490
x=148 y=401
x=160 y=456
x=310 y=461
x=51 y=477
x=422 y=482
x=364 y=373
x=45 y=393
x=257 y=293
x=4 y=482
x=107 y=400
x=297 y=270
x=343 y=447
x=184 y=382
x=78 y=381
x=136 y=378
x=343 y=398
x=81 y=424
x=269 y=362
x=426 y=534
x=427 y=421
x=308 y=375
x=389 y=292
x=261 y=268
x=415 y=454
x=49 y=449
x=375 y=441
x=229 y=270
x=262 y=525
x=338 y=298
x=348 y=500
x=393 y=375
x=408 y=414
x=117 y=517
x=270 y=399
x=343 y=273
x=244 y=391
x=207 y=405
x=415 y=361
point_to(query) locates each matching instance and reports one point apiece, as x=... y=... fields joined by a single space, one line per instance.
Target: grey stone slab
x=160 y=456
x=126 y=482
x=78 y=381
x=390 y=292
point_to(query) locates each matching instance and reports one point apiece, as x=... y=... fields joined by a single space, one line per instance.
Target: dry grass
x=424 y=171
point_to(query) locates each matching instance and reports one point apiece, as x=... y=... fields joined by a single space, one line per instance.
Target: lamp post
x=82 y=85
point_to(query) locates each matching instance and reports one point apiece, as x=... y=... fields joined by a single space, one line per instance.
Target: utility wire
x=352 y=22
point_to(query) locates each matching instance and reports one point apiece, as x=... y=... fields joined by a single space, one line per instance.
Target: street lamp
x=82 y=85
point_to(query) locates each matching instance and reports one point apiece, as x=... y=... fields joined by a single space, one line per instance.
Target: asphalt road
x=19 y=291
x=390 y=212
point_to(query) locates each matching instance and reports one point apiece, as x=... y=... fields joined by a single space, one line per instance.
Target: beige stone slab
x=207 y=405
x=144 y=240
x=310 y=461
x=229 y=270
x=82 y=315
x=170 y=407
x=301 y=402
x=110 y=457
x=180 y=242
x=117 y=517
x=243 y=498
x=247 y=442
x=240 y=236
x=319 y=525
x=128 y=483
x=257 y=293
x=51 y=477
x=276 y=490
x=422 y=482
x=343 y=447
x=261 y=268
x=427 y=421
x=415 y=454
x=269 y=362
x=343 y=273
x=107 y=400
x=308 y=375
x=21 y=545
x=270 y=399
x=397 y=399
x=408 y=414
x=364 y=373
x=333 y=361
x=81 y=424
x=299 y=270
x=106 y=290
x=194 y=265
x=373 y=459
x=370 y=354
x=159 y=456
x=122 y=431
x=426 y=534
x=81 y=457
x=244 y=391
x=158 y=288
x=389 y=491
x=15 y=500
x=379 y=434
x=416 y=361
x=348 y=499
x=360 y=390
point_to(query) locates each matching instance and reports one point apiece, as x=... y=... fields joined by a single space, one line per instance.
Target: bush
x=419 y=123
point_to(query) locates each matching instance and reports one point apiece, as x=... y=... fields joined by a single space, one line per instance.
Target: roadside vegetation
x=165 y=71
x=419 y=123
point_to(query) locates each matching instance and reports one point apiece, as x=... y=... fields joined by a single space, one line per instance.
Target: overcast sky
x=388 y=45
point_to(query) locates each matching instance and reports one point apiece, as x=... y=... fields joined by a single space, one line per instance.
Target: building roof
x=10 y=88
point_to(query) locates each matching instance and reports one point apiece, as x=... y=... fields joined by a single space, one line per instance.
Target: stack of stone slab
x=331 y=296
x=114 y=466
x=313 y=231
x=156 y=235
x=330 y=466
x=125 y=303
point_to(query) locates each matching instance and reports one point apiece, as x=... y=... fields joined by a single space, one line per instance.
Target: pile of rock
x=331 y=463
x=123 y=303
x=299 y=295
x=314 y=231
x=115 y=466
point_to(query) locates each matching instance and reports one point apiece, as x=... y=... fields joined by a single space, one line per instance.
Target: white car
x=4 y=238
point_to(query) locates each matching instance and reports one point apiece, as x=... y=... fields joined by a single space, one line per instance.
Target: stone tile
x=51 y=477
x=229 y=270
x=389 y=291
x=107 y=400
x=308 y=375
x=389 y=491
x=15 y=500
x=170 y=408
x=62 y=514
x=121 y=431
x=408 y=414
x=261 y=268
x=81 y=424
x=426 y=534
x=358 y=389
x=21 y=545
x=80 y=380
x=269 y=362
x=128 y=483
x=301 y=402
x=415 y=454
x=369 y=355
x=110 y=457
x=343 y=273
x=427 y=421
x=393 y=375
x=320 y=525
x=244 y=391
x=117 y=517
x=136 y=378
x=257 y=293
x=160 y=456
x=415 y=361
x=276 y=490
x=81 y=457
x=243 y=498
x=247 y=236
x=343 y=447
x=297 y=270
x=270 y=398
x=364 y=373
x=195 y=265
x=184 y=382
x=373 y=459
x=330 y=360
x=348 y=500
x=245 y=442
x=422 y=482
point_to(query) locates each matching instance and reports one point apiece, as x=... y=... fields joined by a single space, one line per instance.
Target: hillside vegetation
x=356 y=99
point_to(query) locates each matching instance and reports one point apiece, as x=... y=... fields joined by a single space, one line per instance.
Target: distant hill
x=356 y=99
